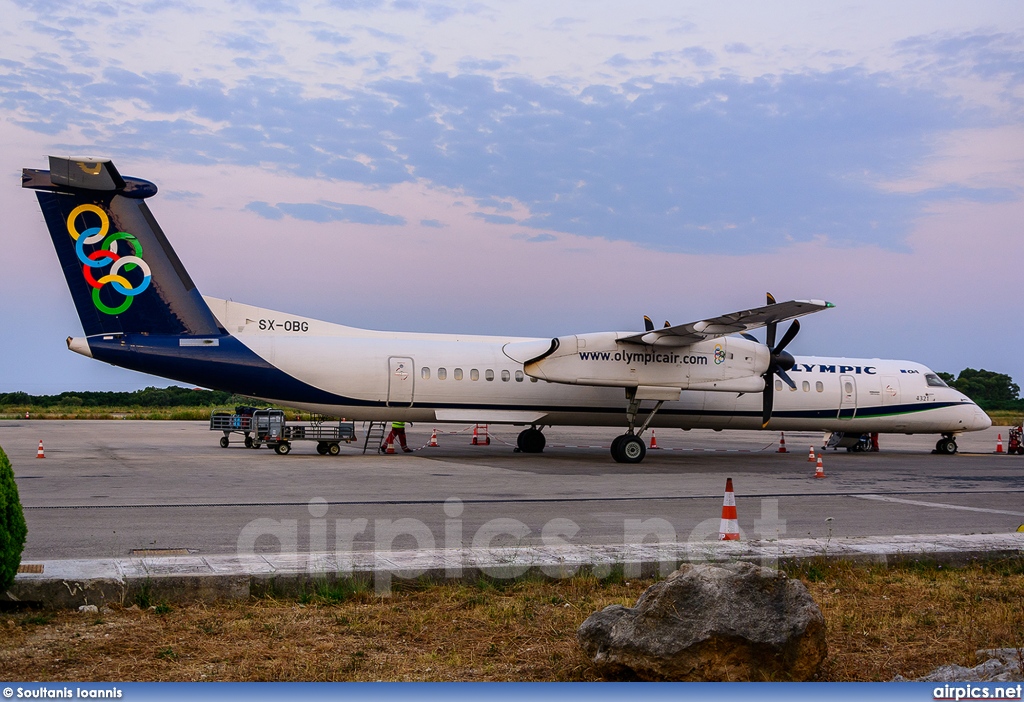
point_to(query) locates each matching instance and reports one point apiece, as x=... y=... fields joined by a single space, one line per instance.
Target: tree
x=12 y=524
x=989 y=389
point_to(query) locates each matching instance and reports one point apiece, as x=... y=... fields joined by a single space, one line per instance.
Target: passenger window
x=489 y=374
x=806 y=386
x=474 y=374
x=778 y=385
x=519 y=376
x=532 y=379
x=425 y=373
x=819 y=386
x=458 y=374
x=505 y=376
x=848 y=387
x=793 y=389
x=442 y=373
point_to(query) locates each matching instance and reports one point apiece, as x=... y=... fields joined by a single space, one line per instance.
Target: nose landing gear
x=946 y=445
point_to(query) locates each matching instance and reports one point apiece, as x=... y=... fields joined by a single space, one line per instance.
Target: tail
x=123 y=275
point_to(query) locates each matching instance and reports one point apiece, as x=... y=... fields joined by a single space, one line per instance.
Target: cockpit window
x=934 y=381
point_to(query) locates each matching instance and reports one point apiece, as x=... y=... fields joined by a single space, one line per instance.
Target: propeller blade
x=769 y=340
x=771 y=298
x=793 y=330
x=785 y=377
x=667 y=325
x=767 y=398
x=648 y=323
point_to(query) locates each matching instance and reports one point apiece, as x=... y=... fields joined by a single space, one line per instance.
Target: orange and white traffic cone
x=654 y=440
x=730 y=530
x=782 y=442
x=433 y=439
x=819 y=470
x=999 y=444
x=391 y=448
x=810 y=455
x=476 y=435
x=39 y=453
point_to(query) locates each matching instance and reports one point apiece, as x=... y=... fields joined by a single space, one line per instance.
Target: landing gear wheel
x=283 y=448
x=531 y=441
x=334 y=449
x=615 y=444
x=628 y=448
x=223 y=442
x=321 y=448
x=248 y=442
x=946 y=446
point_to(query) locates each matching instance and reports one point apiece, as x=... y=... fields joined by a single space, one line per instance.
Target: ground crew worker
x=397 y=430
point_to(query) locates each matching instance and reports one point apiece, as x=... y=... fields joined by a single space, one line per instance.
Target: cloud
x=324 y=211
x=723 y=165
x=494 y=219
x=265 y=210
x=436 y=224
x=738 y=48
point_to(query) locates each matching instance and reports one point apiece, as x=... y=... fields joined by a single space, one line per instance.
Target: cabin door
x=847 y=397
x=400 y=381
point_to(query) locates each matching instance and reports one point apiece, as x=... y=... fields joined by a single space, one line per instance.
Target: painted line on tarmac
x=548 y=500
x=943 y=505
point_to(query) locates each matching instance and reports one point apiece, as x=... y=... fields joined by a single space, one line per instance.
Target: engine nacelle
x=724 y=364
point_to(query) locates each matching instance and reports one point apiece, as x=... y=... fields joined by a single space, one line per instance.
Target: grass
x=1006 y=418
x=79 y=412
x=881 y=622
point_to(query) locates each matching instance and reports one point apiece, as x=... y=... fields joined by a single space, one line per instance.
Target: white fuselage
x=467 y=378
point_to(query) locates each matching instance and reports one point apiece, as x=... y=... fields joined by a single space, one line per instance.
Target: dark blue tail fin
x=123 y=274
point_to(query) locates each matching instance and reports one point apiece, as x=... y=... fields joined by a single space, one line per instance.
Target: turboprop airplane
x=140 y=310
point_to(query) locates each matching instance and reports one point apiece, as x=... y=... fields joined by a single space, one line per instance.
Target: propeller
x=779 y=362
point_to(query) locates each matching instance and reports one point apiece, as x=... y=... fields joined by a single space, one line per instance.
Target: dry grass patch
x=911 y=619
x=881 y=621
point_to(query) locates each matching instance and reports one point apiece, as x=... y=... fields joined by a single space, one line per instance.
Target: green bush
x=12 y=524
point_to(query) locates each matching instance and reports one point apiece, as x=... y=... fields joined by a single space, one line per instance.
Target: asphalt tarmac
x=111 y=488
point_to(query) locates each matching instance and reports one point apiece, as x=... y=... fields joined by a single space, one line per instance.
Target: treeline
x=173 y=396
x=991 y=390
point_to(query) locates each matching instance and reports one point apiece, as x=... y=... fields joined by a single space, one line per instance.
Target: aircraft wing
x=732 y=323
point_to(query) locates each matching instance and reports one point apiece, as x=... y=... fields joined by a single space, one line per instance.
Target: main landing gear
x=629 y=447
x=531 y=440
x=946 y=445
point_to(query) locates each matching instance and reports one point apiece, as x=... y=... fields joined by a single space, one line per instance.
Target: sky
x=538 y=168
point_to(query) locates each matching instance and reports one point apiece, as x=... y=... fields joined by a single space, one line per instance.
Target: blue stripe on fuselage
x=230 y=366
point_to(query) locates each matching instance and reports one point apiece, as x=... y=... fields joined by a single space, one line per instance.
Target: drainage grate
x=157 y=552
x=30 y=568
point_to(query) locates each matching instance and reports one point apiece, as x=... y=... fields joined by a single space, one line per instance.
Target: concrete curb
x=194 y=578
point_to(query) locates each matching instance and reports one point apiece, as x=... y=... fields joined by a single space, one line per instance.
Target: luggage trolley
x=239 y=422
x=270 y=427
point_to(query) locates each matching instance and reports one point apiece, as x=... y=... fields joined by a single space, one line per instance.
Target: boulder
x=1001 y=665
x=706 y=622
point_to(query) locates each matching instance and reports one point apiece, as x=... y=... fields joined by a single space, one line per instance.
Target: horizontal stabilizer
x=86 y=173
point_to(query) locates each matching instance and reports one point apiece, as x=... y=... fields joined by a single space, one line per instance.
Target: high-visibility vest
x=398 y=425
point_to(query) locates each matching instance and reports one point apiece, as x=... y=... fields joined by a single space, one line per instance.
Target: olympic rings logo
x=719 y=355
x=107 y=254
